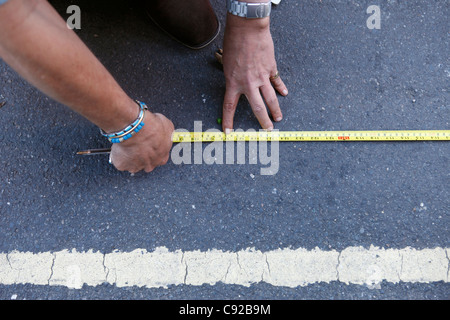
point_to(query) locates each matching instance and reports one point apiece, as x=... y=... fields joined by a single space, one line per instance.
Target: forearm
x=35 y=41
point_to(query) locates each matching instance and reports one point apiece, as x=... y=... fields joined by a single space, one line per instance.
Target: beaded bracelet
x=131 y=130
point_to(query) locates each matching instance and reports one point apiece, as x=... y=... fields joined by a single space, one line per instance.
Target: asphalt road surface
x=354 y=200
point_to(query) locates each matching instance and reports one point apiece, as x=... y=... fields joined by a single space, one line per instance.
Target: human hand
x=148 y=149
x=250 y=69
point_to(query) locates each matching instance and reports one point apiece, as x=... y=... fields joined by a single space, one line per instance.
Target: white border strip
x=282 y=267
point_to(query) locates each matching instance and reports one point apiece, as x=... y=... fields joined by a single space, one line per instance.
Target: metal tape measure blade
x=314 y=136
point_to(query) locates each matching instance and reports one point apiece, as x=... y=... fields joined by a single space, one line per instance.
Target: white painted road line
x=282 y=267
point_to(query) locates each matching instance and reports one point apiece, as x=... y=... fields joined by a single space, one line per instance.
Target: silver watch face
x=249 y=10
x=258 y=10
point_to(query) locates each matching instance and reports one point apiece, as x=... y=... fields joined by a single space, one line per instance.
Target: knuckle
x=231 y=84
x=228 y=106
x=250 y=82
x=120 y=166
x=258 y=108
x=164 y=161
x=272 y=101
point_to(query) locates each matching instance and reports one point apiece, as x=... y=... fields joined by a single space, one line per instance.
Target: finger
x=279 y=85
x=122 y=163
x=149 y=169
x=259 y=109
x=272 y=102
x=229 y=108
x=116 y=163
x=165 y=160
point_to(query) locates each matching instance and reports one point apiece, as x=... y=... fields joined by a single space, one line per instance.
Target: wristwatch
x=249 y=10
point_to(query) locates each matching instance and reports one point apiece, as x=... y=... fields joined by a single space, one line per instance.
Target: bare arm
x=35 y=41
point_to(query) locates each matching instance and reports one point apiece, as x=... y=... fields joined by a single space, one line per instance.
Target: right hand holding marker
x=148 y=149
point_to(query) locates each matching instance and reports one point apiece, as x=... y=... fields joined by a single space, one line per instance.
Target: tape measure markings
x=301 y=136
x=286 y=136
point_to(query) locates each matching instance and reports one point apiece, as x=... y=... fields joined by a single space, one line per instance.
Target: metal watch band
x=249 y=10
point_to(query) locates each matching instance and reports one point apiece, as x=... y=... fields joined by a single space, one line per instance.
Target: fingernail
x=227 y=131
x=285 y=92
x=278 y=119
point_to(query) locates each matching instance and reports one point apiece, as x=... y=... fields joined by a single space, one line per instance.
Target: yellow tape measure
x=314 y=136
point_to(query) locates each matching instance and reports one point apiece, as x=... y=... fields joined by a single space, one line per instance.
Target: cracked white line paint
x=282 y=267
